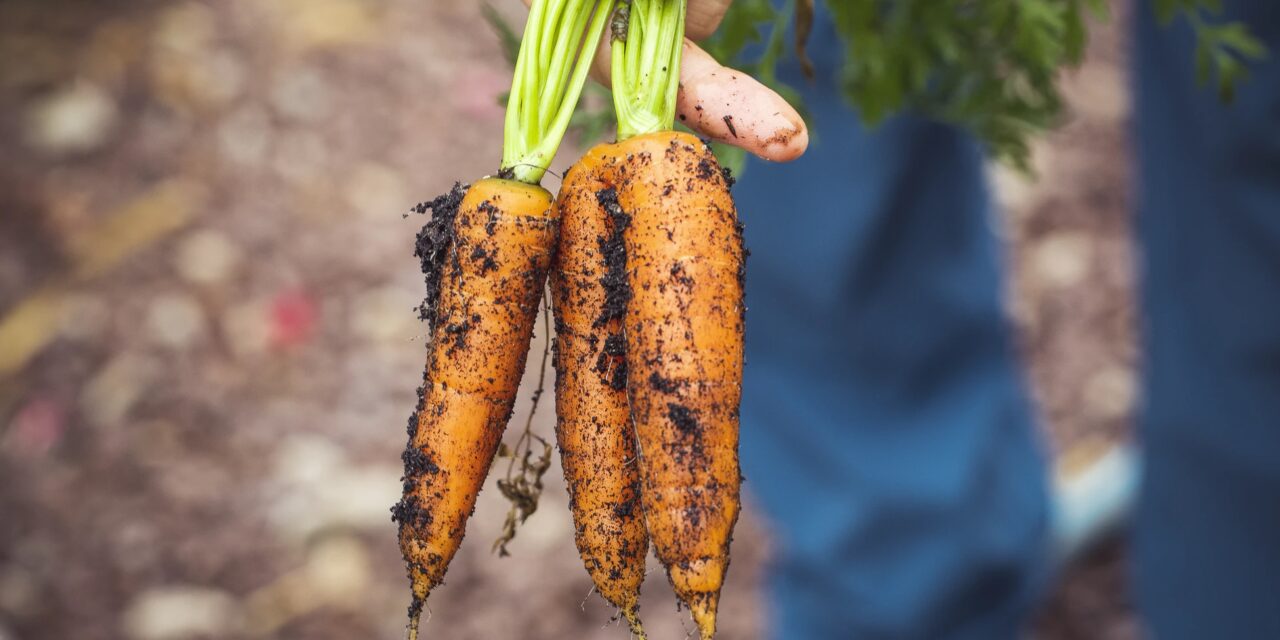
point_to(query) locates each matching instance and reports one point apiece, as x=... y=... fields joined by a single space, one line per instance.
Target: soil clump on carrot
x=434 y=242
x=617 y=290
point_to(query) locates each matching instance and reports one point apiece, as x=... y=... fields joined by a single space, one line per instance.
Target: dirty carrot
x=684 y=319
x=486 y=252
x=680 y=292
x=593 y=428
x=684 y=330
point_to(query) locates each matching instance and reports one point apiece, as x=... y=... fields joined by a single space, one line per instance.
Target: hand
x=704 y=16
x=722 y=103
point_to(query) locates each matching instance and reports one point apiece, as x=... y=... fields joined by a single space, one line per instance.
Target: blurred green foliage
x=988 y=65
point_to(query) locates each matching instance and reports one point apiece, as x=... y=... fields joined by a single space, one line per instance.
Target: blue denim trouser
x=886 y=432
x=1208 y=524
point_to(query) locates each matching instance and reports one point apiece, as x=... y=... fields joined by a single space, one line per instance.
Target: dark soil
x=617 y=289
x=434 y=243
x=684 y=418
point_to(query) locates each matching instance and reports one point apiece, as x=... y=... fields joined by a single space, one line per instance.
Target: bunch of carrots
x=646 y=264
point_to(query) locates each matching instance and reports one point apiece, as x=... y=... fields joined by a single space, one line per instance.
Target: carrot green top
x=555 y=55
x=648 y=39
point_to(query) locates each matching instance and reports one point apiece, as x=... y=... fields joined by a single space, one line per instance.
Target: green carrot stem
x=646 y=65
x=555 y=55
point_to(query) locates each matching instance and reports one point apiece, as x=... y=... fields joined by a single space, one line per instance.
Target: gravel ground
x=208 y=348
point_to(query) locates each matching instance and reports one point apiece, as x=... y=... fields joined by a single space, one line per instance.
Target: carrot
x=593 y=429
x=649 y=234
x=490 y=277
x=684 y=321
x=680 y=286
x=486 y=253
x=684 y=328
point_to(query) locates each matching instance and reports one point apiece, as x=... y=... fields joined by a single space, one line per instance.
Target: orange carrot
x=676 y=280
x=489 y=265
x=593 y=430
x=684 y=318
x=684 y=328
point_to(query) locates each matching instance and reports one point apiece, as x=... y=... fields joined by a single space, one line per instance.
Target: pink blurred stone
x=36 y=428
x=476 y=93
x=293 y=318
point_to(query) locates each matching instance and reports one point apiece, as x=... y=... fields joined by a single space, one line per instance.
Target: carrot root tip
x=704 y=615
x=415 y=617
x=633 y=620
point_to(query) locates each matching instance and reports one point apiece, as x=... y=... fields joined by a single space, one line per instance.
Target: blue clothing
x=886 y=430
x=1207 y=535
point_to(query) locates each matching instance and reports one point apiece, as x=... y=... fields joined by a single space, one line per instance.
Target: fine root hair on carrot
x=522 y=483
x=415 y=619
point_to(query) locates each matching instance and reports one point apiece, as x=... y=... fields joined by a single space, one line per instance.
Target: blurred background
x=208 y=346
